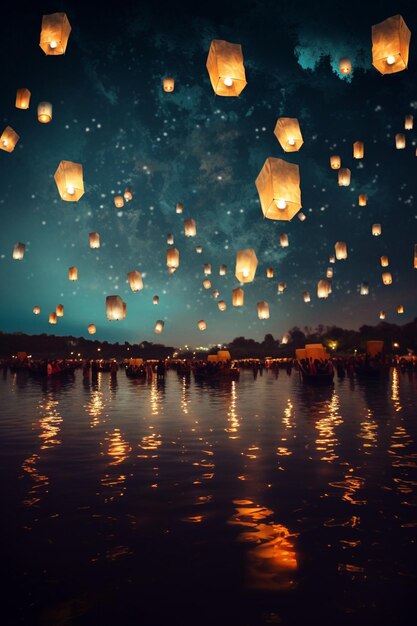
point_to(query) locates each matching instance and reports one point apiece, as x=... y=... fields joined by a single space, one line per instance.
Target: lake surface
x=244 y=503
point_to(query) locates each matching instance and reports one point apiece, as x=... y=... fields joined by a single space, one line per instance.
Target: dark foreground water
x=244 y=503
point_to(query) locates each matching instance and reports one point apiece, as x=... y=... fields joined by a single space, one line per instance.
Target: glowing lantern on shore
x=135 y=280
x=384 y=261
x=238 y=296
x=362 y=199
x=199 y=249
x=190 y=228
x=288 y=133
x=91 y=329
x=278 y=185
x=343 y=177
x=390 y=45
x=22 y=98
x=168 y=84
x=222 y=305
x=329 y=272
x=55 y=33
x=306 y=296
x=170 y=239
x=94 y=240
x=114 y=308
x=215 y=293
x=207 y=284
x=358 y=150
x=159 y=327
x=263 y=310
x=283 y=240
x=18 y=251
x=155 y=300
x=408 y=122
x=400 y=309
x=340 y=250
x=36 y=310
x=376 y=230
x=364 y=289
x=222 y=270
x=8 y=139
x=400 y=141
x=345 y=66
x=69 y=180
x=387 y=278
x=119 y=202
x=246 y=264
x=59 y=310
x=323 y=288
x=127 y=194
x=44 y=112
x=382 y=315
x=335 y=162
x=179 y=207
x=269 y=272
x=52 y=318
x=173 y=258
x=207 y=269
x=225 y=68
x=281 y=287
x=72 y=273
x=202 y=325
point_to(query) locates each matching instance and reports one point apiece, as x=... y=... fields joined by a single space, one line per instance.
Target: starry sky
x=111 y=114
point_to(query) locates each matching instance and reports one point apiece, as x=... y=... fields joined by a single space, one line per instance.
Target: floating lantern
x=44 y=112
x=190 y=229
x=155 y=300
x=52 y=318
x=332 y=258
x=341 y=250
x=364 y=289
x=345 y=66
x=415 y=256
x=91 y=329
x=225 y=68
x=384 y=261
x=135 y=280
x=301 y=216
x=408 y=122
x=179 y=207
x=69 y=180
x=306 y=296
x=323 y=288
x=400 y=141
x=207 y=269
x=278 y=185
x=8 y=139
x=222 y=305
x=94 y=240
x=119 y=202
x=382 y=315
x=263 y=310
x=283 y=240
x=246 y=264
x=288 y=133
x=173 y=258
x=72 y=273
x=269 y=272
x=207 y=284
x=329 y=272
x=335 y=162
x=387 y=278
x=170 y=239
x=202 y=325
x=358 y=150
x=55 y=33
x=18 y=251
x=36 y=310
x=238 y=296
x=127 y=194
x=168 y=84
x=159 y=327
x=281 y=287
x=390 y=45
x=115 y=308
x=59 y=310
x=215 y=293
x=400 y=309
x=343 y=177
x=199 y=249
x=376 y=230
x=22 y=98
x=362 y=199
x=222 y=270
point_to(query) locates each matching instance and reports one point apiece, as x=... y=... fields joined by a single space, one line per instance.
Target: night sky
x=111 y=114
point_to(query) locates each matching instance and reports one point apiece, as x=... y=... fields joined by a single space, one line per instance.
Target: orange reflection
x=327 y=441
x=118 y=449
x=368 y=431
x=95 y=407
x=395 y=390
x=232 y=416
x=351 y=485
x=185 y=393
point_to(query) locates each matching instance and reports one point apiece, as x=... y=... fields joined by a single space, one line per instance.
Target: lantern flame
x=228 y=81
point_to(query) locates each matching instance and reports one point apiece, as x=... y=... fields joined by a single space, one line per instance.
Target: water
x=250 y=502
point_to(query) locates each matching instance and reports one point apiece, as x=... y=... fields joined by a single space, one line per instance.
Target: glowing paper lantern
x=59 y=310
x=382 y=315
x=384 y=261
x=222 y=305
x=400 y=309
x=91 y=329
x=283 y=240
x=222 y=270
x=119 y=202
x=306 y=296
x=340 y=250
x=207 y=284
x=400 y=141
x=362 y=199
x=263 y=310
x=278 y=185
x=115 y=308
x=52 y=318
x=364 y=289
x=69 y=180
x=301 y=216
x=8 y=139
x=335 y=162
x=94 y=240
x=202 y=325
x=179 y=207
x=159 y=327
x=215 y=293
x=18 y=251
x=288 y=133
x=343 y=177
x=22 y=98
x=155 y=300
x=72 y=273
x=376 y=230
x=44 y=112
x=168 y=84
x=207 y=269
x=36 y=310
x=281 y=287
x=345 y=66
x=390 y=45
x=55 y=33
x=323 y=288
x=135 y=280
x=358 y=150
x=387 y=278
x=269 y=272
x=408 y=122
x=127 y=194
x=173 y=258
x=199 y=249
x=332 y=258
x=329 y=272
x=246 y=264
x=190 y=228
x=238 y=296
x=170 y=239
x=225 y=68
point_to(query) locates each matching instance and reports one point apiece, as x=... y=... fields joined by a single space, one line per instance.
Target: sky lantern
x=387 y=278
x=238 y=296
x=199 y=249
x=340 y=250
x=155 y=300
x=301 y=216
x=59 y=310
x=207 y=284
x=306 y=296
x=94 y=240
x=343 y=177
x=345 y=66
x=362 y=199
x=408 y=122
x=36 y=310
x=44 y=112
x=400 y=309
x=270 y=272
x=55 y=33
x=69 y=180
x=335 y=162
x=170 y=239
x=323 y=288
x=246 y=264
x=332 y=258
x=202 y=325
x=278 y=185
x=159 y=327
x=179 y=208
x=168 y=84
x=382 y=315
x=263 y=310
x=283 y=240
x=384 y=261
x=207 y=269
x=119 y=202
x=222 y=306
x=8 y=139
x=72 y=273
x=18 y=251
x=222 y=270
x=114 y=308
x=376 y=230
x=52 y=318
x=400 y=141
x=91 y=329
x=364 y=291
x=281 y=287
x=135 y=280
x=390 y=45
x=329 y=272
x=215 y=293
x=415 y=256
x=127 y=194
x=288 y=133
x=358 y=150
x=173 y=258
x=22 y=98
x=225 y=68
x=190 y=228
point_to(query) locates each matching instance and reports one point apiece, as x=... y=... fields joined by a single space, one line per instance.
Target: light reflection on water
x=257 y=484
